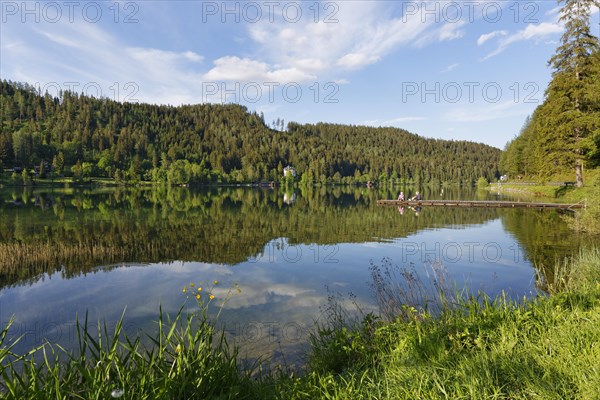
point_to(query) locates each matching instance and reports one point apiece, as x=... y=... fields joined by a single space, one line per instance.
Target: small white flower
x=117 y=393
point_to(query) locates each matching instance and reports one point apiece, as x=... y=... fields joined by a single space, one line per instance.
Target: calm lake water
x=65 y=252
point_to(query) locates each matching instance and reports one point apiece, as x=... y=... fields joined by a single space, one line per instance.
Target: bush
x=482 y=182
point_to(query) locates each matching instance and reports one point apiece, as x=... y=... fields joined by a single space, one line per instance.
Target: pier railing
x=478 y=203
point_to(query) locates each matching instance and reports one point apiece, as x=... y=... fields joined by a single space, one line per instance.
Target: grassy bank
x=582 y=221
x=548 y=187
x=545 y=348
x=475 y=348
x=68 y=182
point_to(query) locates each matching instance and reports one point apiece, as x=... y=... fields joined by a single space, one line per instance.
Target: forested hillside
x=86 y=136
x=391 y=152
x=563 y=134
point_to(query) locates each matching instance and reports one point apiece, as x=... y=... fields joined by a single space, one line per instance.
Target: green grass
x=545 y=348
x=5 y=179
x=574 y=275
x=475 y=348
x=186 y=359
x=564 y=194
x=582 y=221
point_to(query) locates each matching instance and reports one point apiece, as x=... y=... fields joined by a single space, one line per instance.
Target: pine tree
x=58 y=163
x=569 y=106
x=6 y=148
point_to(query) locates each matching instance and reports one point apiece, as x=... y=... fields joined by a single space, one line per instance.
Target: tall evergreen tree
x=570 y=108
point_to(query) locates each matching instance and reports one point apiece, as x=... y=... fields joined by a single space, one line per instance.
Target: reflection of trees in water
x=544 y=237
x=44 y=231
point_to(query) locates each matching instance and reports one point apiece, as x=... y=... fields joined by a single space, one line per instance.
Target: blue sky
x=469 y=70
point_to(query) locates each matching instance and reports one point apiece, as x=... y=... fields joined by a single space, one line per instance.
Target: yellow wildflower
x=192 y=284
x=184 y=289
x=211 y=296
x=199 y=289
x=198 y=296
x=216 y=282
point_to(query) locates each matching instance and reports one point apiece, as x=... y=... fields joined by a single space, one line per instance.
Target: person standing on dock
x=401 y=196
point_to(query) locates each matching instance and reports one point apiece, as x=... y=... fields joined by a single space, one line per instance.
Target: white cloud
x=440 y=33
x=61 y=40
x=357 y=60
x=190 y=55
x=531 y=32
x=484 y=38
x=162 y=57
x=450 y=67
x=310 y=64
x=451 y=31
x=282 y=52
x=84 y=54
x=247 y=70
x=367 y=31
x=535 y=31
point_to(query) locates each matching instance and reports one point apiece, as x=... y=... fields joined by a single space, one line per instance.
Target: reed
x=28 y=261
x=186 y=359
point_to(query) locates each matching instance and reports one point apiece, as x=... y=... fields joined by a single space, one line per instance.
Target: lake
x=67 y=252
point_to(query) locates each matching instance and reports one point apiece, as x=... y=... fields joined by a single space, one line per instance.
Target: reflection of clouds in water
x=339 y=284
x=283 y=287
x=104 y=294
x=278 y=298
x=374 y=245
x=258 y=294
x=186 y=268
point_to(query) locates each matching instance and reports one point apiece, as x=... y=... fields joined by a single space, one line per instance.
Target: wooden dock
x=475 y=203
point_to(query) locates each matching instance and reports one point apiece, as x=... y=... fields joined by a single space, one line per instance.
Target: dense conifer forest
x=563 y=134
x=81 y=136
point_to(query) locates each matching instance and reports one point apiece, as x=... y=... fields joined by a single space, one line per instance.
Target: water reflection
x=66 y=252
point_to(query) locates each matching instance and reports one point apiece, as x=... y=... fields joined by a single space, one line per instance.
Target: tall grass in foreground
x=473 y=347
x=545 y=349
x=476 y=348
x=588 y=219
x=401 y=292
x=578 y=273
x=187 y=359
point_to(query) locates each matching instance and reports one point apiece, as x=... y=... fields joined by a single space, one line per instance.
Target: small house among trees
x=289 y=171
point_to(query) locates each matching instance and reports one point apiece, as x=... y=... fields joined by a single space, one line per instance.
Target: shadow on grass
x=563 y=190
